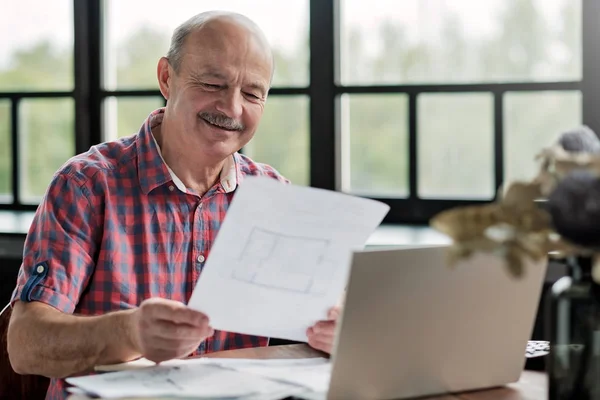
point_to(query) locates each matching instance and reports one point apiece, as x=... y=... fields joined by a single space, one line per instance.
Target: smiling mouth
x=218 y=126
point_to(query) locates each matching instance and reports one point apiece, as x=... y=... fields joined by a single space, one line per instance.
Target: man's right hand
x=166 y=329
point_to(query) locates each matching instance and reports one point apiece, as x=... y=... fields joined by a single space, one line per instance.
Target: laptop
x=413 y=326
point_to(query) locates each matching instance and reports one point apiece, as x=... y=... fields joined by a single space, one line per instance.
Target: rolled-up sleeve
x=58 y=256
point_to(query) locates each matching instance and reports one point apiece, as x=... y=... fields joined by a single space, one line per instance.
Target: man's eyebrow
x=208 y=74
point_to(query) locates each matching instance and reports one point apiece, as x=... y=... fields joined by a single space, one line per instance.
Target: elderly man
x=120 y=239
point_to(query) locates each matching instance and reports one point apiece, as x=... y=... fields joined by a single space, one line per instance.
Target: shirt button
x=40 y=269
x=200 y=258
x=171 y=188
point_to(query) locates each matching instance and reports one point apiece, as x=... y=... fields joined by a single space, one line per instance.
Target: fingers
x=321 y=335
x=324 y=329
x=320 y=345
x=169 y=330
x=158 y=345
x=173 y=311
x=320 y=342
x=334 y=313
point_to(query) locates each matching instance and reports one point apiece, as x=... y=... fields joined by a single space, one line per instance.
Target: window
x=485 y=86
x=124 y=116
x=282 y=138
x=531 y=119
x=421 y=104
x=5 y=152
x=37 y=53
x=374 y=144
x=46 y=141
x=455 y=146
x=459 y=41
x=36 y=104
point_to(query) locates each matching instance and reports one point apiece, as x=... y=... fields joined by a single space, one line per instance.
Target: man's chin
x=218 y=149
x=218 y=143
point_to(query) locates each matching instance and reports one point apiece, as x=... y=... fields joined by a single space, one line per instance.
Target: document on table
x=311 y=373
x=296 y=392
x=187 y=379
x=282 y=257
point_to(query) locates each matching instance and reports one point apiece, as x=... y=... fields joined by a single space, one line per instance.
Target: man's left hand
x=322 y=334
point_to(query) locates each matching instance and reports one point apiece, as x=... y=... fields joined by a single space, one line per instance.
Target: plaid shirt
x=116 y=226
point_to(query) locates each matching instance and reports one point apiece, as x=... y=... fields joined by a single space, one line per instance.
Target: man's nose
x=230 y=103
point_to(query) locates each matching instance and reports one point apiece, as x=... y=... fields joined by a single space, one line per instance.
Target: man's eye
x=253 y=96
x=211 y=86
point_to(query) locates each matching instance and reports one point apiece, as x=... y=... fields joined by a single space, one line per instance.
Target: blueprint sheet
x=282 y=257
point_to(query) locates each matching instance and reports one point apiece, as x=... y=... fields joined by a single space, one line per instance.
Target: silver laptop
x=413 y=326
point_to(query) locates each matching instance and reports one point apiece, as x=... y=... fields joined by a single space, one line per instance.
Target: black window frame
x=323 y=92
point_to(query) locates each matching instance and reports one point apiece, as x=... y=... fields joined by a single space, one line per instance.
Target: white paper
x=282 y=257
x=194 y=379
x=79 y=394
x=310 y=373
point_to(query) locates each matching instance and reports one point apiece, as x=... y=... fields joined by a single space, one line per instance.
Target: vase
x=573 y=328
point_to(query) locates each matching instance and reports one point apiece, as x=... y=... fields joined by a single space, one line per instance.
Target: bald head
x=211 y=26
x=216 y=79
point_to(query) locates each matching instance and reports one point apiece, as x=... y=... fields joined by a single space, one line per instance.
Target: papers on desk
x=214 y=378
x=191 y=379
x=311 y=373
x=281 y=257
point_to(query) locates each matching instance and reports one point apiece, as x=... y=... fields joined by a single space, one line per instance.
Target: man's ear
x=163 y=72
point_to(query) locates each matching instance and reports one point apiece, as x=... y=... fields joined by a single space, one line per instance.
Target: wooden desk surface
x=531 y=386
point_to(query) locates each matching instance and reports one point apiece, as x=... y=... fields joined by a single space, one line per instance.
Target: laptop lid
x=413 y=326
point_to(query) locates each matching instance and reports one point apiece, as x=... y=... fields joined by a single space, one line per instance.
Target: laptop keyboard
x=537 y=348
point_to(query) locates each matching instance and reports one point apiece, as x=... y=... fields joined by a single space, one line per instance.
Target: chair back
x=13 y=385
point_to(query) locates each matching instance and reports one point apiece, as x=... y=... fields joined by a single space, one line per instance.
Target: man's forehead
x=225 y=34
x=219 y=65
x=218 y=39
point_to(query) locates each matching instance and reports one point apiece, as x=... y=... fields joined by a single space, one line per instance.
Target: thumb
x=333 y=313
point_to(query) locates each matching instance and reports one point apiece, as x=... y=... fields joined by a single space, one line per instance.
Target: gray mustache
x=222 y=121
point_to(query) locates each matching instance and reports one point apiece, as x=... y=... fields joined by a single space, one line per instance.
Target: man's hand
x=322 y=334
x=165 y=329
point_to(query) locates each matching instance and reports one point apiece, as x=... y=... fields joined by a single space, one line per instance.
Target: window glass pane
x=282 y=139
x=36 y=52
x=5 y=153
x=124 y=116
x=449 y=41
x=455 y=145
x=46 y=141
x=533 y=120
x=139 y=31
x=375 y=144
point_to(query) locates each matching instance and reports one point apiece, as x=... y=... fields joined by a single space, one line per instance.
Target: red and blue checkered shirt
x=116 y=226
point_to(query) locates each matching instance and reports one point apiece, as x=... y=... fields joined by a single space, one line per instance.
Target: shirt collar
x=153 y=171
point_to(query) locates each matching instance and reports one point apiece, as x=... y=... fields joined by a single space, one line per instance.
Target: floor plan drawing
x=159 y=377
x=306 y=268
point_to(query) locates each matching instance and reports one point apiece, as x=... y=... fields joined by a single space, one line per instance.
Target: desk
x=531 y=386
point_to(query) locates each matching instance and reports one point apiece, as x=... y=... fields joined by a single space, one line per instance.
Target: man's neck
x=195 y=174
